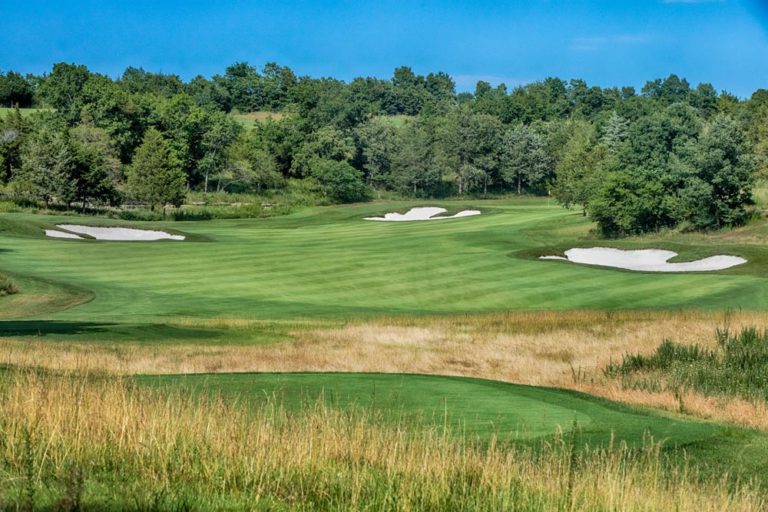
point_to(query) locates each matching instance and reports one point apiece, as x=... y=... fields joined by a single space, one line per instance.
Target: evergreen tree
x=155 y=177
x=46 y=168
x=615 y=132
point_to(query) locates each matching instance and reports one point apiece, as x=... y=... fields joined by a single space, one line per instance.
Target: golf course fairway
x=329 y=263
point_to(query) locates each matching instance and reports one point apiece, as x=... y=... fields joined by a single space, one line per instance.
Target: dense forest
x=669 y=155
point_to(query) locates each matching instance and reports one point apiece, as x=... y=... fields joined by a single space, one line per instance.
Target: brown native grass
x=134 y=445
x=559 y=349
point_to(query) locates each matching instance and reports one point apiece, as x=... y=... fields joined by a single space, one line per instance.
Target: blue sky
x=606 y=42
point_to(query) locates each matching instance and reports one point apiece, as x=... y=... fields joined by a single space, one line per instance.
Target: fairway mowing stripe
x=328 y=261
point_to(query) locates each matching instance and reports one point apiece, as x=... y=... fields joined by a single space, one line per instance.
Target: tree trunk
x=206 y=182
x=519 y=185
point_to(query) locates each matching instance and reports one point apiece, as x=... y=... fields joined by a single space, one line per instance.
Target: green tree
x=46 y=168
x=414 y=171
x=62 y=88
x=95 y=173
x=13 y=131
x=106 y=105
x=155 y=176
x=15 y=90
x=577 y=170
x=468 y=149
x=184 y=126
x=756 y=113
x=221 y=132
x=408 y=92
x=615 y=132
x=249 y=167
x=525 y=162
x=378 y=145
x=138 y=81
x=721 y=161
x=628 y=203
x=209 y=94
x=339 y=181
x=327 y=143
x=243 y=85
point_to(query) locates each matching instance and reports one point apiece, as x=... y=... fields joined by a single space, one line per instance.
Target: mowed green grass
x=481 y=409
x=328 y=263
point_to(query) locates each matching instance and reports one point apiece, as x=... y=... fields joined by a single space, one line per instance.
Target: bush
x=339 y=181
x=138 y=214
x=7 y=286
x=737 y=367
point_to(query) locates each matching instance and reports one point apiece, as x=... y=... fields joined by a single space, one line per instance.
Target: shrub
x=339 y=181
x=7 y=286
x=738 y=366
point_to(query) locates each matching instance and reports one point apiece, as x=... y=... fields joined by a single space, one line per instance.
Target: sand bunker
x=117 y=234
x=423 y=213
x=55 y=233
x=645 y=260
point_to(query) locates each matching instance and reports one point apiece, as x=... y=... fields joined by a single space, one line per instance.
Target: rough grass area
x=78 y=443
x=7 y=286
x=760 y=195
x=397 y=121
x=25 y=112
x=489 y=411
x=251 y=119
x=737 y=366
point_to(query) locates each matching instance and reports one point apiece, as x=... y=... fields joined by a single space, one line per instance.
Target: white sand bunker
x=55 y=233
x=645 y=260
x=115 y=234
x=423 y=213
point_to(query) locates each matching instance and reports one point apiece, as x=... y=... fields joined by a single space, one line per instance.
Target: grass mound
x=483 y=411
x=97 y=443
x=737 y=366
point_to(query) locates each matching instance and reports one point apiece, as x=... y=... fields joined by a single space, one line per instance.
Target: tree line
x=669 y=155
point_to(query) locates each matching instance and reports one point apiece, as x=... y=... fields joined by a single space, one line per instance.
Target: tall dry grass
x=562 y=349
x=74 y=441
x=7 y=286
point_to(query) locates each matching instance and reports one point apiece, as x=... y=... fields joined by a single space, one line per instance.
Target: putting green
x=329 y=263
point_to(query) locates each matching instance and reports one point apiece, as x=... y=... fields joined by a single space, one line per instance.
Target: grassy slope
x=24 y=111
x=251 y=119
x=328 y=263
x=482 y=408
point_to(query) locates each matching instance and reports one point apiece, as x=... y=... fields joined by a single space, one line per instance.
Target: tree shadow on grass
x=107 y=332
x=45 y=327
